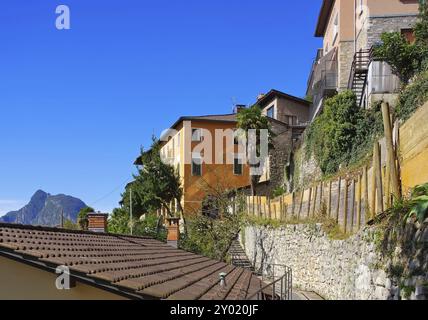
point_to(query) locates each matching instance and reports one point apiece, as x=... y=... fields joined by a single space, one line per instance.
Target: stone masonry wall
x=335 y=269
x=374 y=27
x=346 y=56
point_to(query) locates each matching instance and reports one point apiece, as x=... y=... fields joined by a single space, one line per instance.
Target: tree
x=213 y=236
x=406 y=59
x=252 y=118
x=70 y=225
x=157 y=183
x=154 y=187
x=119 y=222
x=82 y=218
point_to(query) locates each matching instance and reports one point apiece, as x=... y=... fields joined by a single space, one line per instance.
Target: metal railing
x=279 y=287
x=360 y=63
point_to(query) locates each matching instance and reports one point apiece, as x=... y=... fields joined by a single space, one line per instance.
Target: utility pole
x=62 y=218
x=130 y=210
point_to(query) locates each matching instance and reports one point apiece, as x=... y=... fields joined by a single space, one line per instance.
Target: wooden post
x=338 y=200
x=315 y=201
x=391 y=156
x=302 y=193
x=366 y=193
x=378 y=177
x=269 y=208
x=284 y=208
x=309 y=203
x=321 y=194
x=345 y=204
x=359 y=202
x=387 y=184
x=353 y=205
x=329 y=199
x=274 y=211
x=265 y=211
x=373 y=188
x=293 y=203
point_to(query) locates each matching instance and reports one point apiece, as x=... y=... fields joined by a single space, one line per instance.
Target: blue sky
x=77 y=105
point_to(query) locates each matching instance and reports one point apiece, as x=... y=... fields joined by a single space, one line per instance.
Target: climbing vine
x=344 y=133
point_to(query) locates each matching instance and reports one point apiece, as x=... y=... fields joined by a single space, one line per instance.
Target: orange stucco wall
x=214 y=176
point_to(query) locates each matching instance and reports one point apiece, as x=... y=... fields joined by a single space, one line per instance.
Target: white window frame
x=272 y=107
x=239 y=158
x=196 y=134
x=335 y=27
x=196 y=155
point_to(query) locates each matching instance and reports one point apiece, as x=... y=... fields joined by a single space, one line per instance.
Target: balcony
x=323 y=79
x=370 y=75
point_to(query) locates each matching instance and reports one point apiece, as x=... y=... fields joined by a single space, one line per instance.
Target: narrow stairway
x=238 y=256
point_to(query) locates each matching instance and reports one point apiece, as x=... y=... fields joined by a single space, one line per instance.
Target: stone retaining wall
x=335 y=269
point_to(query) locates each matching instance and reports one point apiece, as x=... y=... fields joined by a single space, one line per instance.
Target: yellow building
x=349 y=29
x=224 y=167
x=211 y=139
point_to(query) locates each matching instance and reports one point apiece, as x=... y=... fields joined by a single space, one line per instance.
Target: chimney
x=260 y=96
x=238 y=108
x=173 y=231
x=97 y=222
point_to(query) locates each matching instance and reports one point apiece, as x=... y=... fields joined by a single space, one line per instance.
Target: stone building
x=349 y=29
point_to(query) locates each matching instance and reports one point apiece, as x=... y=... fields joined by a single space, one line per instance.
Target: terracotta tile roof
x=135 y=266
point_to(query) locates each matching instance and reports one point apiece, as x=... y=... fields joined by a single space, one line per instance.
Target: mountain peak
x=45 y=209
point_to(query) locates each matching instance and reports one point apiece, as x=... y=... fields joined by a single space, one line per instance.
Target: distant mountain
x=45 y=209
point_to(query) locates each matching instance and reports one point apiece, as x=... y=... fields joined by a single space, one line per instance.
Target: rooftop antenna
x=233 y=100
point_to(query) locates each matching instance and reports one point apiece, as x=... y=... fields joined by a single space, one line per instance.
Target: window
x=291 y=120
x=235 y=137
x=237 y=166
x=335 y=28
x=409 y=34
x=271 y=112
x=196 y=164
x=196 y=135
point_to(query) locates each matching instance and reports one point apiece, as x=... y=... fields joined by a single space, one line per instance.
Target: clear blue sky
x=76 y=105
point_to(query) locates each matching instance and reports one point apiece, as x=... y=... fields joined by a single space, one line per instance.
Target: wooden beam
x=338 y=200
x=353 y=205
x=378 y=178
x=315 y=201
x=329 y=199
x=366 y=193
x=309 y=203
x=359 y=189
x=345 y=205
x=391 y=155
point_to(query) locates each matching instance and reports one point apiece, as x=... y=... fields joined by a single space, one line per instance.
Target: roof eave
x=323 y=17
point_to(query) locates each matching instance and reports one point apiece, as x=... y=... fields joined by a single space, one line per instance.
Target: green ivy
x=344 y=133
x=412 y=97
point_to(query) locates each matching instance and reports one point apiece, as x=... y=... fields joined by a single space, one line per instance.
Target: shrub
x=343 y=133
x=211 y=237
x=412 y=97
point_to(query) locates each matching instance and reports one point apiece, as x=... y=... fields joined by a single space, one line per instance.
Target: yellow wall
x=217 y=176
x=345 y=11
x=414 y=149
x=23 y=282
x=221 y=176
